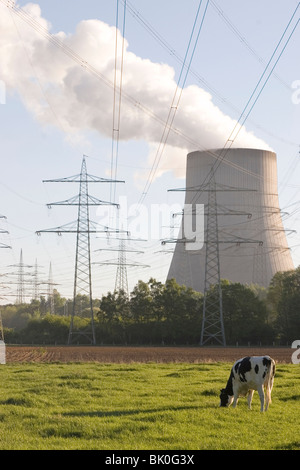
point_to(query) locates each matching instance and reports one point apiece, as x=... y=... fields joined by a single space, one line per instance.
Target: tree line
x=164 y=313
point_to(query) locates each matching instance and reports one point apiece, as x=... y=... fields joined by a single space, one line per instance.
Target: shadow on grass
x=294 y=445
x=103 y=414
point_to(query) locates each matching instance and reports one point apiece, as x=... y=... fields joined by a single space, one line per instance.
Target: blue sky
x=236 y=41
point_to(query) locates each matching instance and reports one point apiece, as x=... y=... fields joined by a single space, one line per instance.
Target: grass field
x=140 y=406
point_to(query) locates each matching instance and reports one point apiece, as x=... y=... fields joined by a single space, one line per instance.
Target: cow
x=247 y=375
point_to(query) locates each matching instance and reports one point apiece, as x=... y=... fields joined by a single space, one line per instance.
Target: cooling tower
x=252 y=240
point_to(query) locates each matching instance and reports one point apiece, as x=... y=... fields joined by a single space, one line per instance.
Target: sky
x=186 y=64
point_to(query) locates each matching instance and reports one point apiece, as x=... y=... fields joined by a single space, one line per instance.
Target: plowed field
x=105 y=354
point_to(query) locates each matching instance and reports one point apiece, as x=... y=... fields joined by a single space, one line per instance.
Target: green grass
x=140 y=406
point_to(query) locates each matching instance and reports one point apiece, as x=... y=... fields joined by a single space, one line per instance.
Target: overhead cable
x=175 y=102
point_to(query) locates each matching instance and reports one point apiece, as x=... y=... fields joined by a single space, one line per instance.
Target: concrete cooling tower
x=251 y=238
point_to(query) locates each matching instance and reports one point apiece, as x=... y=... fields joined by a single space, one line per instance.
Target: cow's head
x=225 y=399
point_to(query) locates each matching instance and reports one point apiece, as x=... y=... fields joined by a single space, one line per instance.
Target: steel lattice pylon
x=51 y=291
x=20 y=288
x=121 y=281
x=83 y=227
x=83 y=275
x=21 y=279
x=121 y=275
x=212 y=321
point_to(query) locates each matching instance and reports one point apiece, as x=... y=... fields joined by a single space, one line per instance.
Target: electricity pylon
x=121 y=275
x=36 y=282
x=212 y=321
x=3 y=245
x=83 y=227
x=121 y=281
x=51 y=291
x=21 y=279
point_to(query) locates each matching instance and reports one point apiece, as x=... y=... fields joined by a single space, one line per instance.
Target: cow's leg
x=268 y=397
x=261 y=396
x=235 y=398
x=250 y=396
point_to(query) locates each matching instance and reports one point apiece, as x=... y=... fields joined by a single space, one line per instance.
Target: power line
x=117 y=107
x=175 y=102
x=24 y=16
x=164 y=43
x=243 y=40
x=121 y=281
x=245 y=113
x=77 y=58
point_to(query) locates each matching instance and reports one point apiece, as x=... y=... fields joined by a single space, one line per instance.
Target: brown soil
x=128 y=354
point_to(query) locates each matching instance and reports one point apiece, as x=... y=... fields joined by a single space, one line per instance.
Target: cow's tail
x=270 y=379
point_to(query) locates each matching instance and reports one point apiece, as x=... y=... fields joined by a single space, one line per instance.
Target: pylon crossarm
x=79 y=179
x=74 y=201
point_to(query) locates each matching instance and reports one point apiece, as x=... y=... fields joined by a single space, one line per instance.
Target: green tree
x=141 y=303
x=114 y=307
x=245 y=315
x=113 y=317
x=50 y=329
x=284 y=296
x=17 y=316
x=182 y=306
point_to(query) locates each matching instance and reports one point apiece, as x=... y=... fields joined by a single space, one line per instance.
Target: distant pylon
x=35 y=282
x=121 y=280
x=20 y=287
x=51 y=291
x=21 y=279
x=121 y=275
x=83 y=227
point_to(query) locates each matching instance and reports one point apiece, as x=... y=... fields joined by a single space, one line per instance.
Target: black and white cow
x=249 y=374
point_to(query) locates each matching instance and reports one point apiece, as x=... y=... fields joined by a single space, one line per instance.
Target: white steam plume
x=64 y=93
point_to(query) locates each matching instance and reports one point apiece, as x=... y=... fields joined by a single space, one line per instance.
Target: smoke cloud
x=77 y=96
